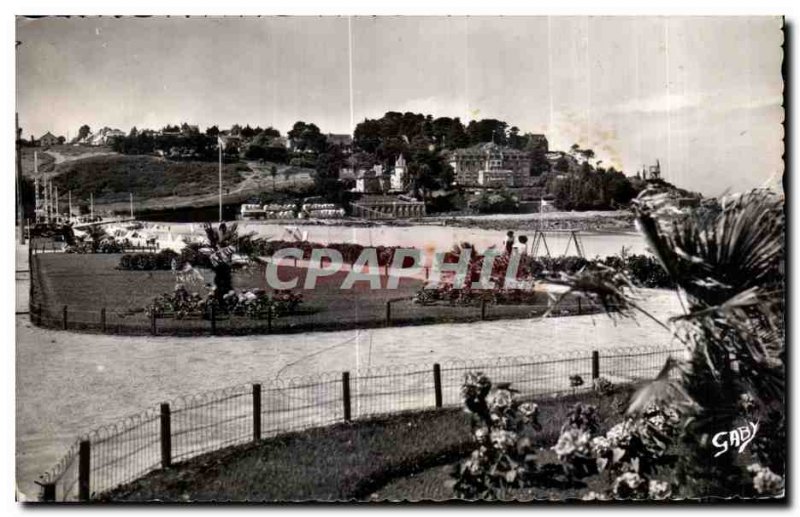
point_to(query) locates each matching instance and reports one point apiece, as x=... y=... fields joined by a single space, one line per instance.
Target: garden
x=691 y=432
x=220 y=286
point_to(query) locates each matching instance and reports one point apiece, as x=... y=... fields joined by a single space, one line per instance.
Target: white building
x=399 y=174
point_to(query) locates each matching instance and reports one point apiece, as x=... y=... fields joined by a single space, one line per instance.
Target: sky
x=702 y=95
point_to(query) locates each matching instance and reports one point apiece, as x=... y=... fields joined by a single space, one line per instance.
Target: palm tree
x=730 y=268
x=223 y=242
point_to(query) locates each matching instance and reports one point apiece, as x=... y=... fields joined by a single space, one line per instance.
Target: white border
x=340 y=7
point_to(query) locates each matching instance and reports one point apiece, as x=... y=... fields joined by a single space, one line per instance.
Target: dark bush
x=148 y=261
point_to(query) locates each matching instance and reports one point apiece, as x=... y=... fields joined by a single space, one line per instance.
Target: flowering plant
x=254 y=303
x=574 y=444
x=602 y=386
x=766 y=482
x=502 y=427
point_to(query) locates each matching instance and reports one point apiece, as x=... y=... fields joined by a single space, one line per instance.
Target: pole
x=69 y=199
x=84 y=470
x=91 y=205
x=131 y=205
x=219 y=144
x=20 y=211
x=56 y=204
x=166 y=437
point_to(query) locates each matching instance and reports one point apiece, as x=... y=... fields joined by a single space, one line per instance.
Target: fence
x=172 y=432
x=391 y=313
x=364 y=312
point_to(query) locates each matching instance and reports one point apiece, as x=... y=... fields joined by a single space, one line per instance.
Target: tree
x=307 y=137
x=273 y=171
x=222 y=244
x=539 y=163
x=562 y=164
x=729 y=267
x=83 y=132
x=212 y=131
x=270 y=132
x=487 y=130
x=248 y=132
x=326 y=175
x=515 y=140
x=61 y=140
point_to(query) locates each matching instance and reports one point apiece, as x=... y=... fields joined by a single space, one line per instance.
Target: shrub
x=163 y=260
x=502 y=427
x=573 y=446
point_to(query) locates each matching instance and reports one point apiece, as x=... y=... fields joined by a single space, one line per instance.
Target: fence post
x=437 y=384
x=48 y=492
x=103 y=319
x=213 y=321
x=346 y=395
x=166 y=437
x=389 y=313
x=256 y=412
x=153 y=323
x=64 y=317
x=580 y=311
x=483 y=309
x=269 y=319
x=84 y=468
x=595 y=364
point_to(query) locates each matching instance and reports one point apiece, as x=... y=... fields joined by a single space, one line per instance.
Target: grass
x=46 y=162
x=363 y=460
x=89 y=283
x=112 y=178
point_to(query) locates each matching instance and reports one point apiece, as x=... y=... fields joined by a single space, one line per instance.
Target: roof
x=376 y=199
x=48 y=134
x=339 y=139
x=487 y=147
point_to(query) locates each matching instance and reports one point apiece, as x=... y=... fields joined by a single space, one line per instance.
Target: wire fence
x=187 y=427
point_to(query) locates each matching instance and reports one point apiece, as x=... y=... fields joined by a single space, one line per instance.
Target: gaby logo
x=739 y=437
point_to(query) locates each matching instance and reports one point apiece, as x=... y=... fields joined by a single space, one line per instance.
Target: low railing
x=187 y=427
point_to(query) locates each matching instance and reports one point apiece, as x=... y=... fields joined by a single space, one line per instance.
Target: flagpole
x=219 y=144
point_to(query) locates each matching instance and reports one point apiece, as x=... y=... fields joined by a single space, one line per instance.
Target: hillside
x=112 y=178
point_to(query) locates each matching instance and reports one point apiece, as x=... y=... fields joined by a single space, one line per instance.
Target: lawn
x=366 y=460
x=112 y=178
x=88 y=283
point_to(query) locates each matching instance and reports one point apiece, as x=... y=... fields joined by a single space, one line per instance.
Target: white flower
x=481 y=433
x=594 y=496
x=600 y=445
x=659 y=489
x=502 y=439
x=572 y=442
x=529 y=410
x=659 y=422
x=500 y=399
x=766 y=481
x=620 y=434
x=746 y=402
x=628 y=484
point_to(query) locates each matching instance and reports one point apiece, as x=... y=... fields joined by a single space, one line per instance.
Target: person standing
x=509 y=243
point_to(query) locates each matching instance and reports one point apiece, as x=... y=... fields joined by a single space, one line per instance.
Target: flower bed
x=253 y=303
